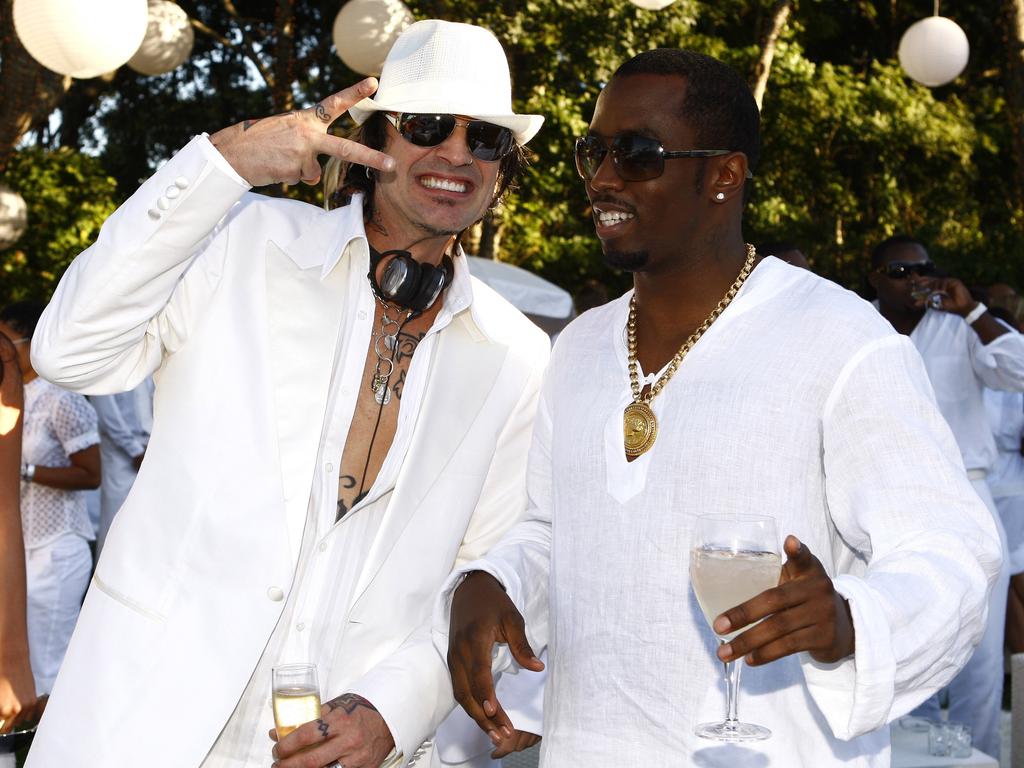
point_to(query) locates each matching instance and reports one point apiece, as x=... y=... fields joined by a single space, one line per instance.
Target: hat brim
x=523 y=127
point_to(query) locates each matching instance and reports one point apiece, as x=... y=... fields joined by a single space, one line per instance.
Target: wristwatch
x=28 y=472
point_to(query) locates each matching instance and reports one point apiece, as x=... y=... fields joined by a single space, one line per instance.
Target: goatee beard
x=628 y=261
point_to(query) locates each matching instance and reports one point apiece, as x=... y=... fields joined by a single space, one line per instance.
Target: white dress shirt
x=799 y=403
x=315 y=613
x=1006 y=480
x=960 y=366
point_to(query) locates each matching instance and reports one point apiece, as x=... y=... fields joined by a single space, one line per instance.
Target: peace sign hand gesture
x=284 y=148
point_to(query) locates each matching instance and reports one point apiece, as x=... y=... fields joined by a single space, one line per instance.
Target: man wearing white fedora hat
x=341 y=416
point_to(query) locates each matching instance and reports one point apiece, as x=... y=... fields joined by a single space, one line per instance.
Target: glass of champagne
x=733 y=558
x=296 y=695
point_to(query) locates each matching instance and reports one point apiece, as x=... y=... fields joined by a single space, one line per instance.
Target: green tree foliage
x=853 y=150
x=69 y=196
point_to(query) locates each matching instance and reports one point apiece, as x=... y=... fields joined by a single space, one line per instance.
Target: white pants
x=976 y=694
x=58 y=573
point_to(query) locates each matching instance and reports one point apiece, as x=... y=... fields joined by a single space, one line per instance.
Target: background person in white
x=125 y=420
x=800 y=403
x=964 y=349
x=60 y=460
x=259 y=323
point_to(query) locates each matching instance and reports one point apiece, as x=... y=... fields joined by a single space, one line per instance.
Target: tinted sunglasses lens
x=589 y=156
x=426 y=130
x=638 y=158
x=488 y=141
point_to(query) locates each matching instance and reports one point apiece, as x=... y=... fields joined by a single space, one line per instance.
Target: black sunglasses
x=635 y=158
x=901 y=270
x=486 y=141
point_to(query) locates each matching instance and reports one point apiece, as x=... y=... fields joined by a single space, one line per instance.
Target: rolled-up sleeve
x=927 y=550
x=1000 y=363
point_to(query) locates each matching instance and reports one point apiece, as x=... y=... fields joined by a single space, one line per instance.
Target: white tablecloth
x=910 y=750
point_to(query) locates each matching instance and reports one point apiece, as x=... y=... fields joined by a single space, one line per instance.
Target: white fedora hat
x=440 y=67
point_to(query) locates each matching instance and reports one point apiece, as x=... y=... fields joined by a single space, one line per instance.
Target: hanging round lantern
x=934 y=51
x=364 y=31
x=13 y=216
x=168 y=42
x=80 y=39
x=652 y=5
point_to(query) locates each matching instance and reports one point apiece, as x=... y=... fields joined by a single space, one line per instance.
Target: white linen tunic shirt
x=800 y=402
x=960 y=366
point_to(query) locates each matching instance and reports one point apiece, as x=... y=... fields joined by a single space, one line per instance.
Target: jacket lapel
x=304 y=315
x=454 y=396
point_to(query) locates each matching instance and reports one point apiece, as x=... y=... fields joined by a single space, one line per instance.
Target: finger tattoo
x=322 y=114
x=323 y=728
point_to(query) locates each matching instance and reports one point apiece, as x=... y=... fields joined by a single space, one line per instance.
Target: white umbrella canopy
x=542 y=301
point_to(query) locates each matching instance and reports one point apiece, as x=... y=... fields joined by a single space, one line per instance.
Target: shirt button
x=300 y=626
x=362 y=315
x=154 y=214
x=323 y=546
x=172 y=192
x=276 y=594
x=163 y=203
x=181 y=182
x=329 y=467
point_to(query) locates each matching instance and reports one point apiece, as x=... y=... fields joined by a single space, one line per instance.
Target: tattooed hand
x=350 y=731
x=284 y=148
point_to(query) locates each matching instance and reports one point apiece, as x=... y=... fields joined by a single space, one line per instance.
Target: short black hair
x=718 y=104
x=878 y=254
x=22 y=316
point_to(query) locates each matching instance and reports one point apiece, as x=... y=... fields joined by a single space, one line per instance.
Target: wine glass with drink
x=296 y=694
x=733 y=558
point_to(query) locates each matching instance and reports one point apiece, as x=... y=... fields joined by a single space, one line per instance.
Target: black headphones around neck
x=408 y=283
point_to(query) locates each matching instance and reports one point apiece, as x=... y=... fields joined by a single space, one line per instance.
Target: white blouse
x=58 y=423
x=800 y=402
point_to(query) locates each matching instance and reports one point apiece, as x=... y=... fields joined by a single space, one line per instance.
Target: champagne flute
x=296 y=695
x=733 y=558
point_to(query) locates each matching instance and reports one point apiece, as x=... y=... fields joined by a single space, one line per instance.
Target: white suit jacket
x=221 y=294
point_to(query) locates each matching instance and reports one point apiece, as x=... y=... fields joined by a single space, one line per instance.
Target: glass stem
x=732 y=690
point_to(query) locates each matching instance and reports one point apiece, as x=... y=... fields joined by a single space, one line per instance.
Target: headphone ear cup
x=401 y=279
x=432 y=282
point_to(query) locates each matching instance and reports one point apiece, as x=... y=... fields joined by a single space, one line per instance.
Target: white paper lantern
x=13 y=216
x=78 y=38
x=168 y=42
x=934 y=51
x=364 y=31
x=652 y=5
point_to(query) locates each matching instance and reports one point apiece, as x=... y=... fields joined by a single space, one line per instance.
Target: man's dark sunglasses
x=486 y=141
x=634 y=157
x=901 y=270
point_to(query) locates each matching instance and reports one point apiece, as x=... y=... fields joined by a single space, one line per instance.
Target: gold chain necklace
x=639 y=425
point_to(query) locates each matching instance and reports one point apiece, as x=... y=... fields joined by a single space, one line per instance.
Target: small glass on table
x=733 y=558
x=296 y=695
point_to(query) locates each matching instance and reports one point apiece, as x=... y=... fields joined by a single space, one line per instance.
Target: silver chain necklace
x=387 y=336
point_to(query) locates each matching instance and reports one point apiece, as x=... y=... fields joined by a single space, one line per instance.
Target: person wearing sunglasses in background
x=342 y=414
x=723 y=384
x=964 y=349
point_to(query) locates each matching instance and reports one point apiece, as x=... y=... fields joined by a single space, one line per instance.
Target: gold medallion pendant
x=639 y=428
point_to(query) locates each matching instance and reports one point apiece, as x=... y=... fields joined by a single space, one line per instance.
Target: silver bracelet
x=28 y=472
x=972 y=317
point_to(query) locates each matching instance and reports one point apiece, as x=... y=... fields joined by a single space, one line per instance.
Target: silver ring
x=335 y=764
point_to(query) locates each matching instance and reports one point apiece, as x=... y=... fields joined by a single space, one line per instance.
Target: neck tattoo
x=639 y=425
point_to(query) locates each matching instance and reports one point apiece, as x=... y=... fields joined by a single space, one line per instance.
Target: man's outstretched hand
x=803 y=613
x=482 y=615
x=285 y=148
